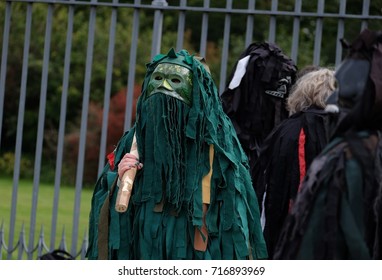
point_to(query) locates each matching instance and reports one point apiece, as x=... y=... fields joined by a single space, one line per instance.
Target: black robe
x=284 y=158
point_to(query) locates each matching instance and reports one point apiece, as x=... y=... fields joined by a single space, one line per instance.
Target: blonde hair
x=313 y=88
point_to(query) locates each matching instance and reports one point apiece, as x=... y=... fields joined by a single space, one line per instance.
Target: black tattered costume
x=284 y=158
x=254 y=98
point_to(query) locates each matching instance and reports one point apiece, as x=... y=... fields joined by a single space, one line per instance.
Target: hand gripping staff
x=126 y=187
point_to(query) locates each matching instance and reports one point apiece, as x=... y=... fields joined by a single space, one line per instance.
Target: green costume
x=193 y=199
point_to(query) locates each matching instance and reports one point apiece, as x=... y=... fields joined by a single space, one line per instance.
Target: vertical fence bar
x=106 y=102
x=365 y=13
x=318 y=35
x=340 y=32
x=4 y=57
x=224 y=59
x=250 y=21
x=181 y=25
x=61 y=130
x=83 y=129
x=132 y=63
x=40 y=128
x=20 y=124
x=272 y=22
x=296 y=30
x=203 y=35
x=157 y=27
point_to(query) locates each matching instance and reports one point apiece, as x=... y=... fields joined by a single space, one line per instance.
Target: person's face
x=173 y=80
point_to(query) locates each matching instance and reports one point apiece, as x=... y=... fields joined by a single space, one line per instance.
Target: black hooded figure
x=337 y=213
x=255 y=95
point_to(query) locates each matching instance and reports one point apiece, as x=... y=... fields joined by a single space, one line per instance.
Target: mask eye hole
x=158 y=78
x=175 y=80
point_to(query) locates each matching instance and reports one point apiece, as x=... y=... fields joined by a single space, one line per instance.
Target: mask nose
x=166 y=85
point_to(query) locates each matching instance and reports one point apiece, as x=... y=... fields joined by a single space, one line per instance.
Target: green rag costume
x=193 y=199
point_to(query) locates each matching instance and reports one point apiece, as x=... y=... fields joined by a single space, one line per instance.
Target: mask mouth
x=281 y=88
x=172 y=94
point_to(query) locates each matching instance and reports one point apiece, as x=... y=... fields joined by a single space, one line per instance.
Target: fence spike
x=22 y=243
x=41 y=243
x=84 y=246
x=62 y=245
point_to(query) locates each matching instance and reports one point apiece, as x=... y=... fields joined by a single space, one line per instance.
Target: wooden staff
x=126 y=187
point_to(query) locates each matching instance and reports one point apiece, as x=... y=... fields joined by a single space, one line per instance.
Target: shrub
x=7 y=164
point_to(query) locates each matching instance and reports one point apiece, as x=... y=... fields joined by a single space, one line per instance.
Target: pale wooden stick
x=126 y=187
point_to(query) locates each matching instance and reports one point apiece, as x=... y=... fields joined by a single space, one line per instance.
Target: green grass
x=44 y=212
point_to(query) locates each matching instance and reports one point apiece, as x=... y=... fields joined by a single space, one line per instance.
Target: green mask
x=171 y=79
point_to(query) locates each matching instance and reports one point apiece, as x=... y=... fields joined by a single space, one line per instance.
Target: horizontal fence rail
x=74 y=57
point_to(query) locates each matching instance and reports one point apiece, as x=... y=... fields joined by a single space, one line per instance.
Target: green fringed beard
x=166 y=152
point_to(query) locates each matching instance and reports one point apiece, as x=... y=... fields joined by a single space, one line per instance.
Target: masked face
x=173 y=80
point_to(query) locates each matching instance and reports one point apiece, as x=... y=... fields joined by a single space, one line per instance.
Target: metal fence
x=232 y=25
